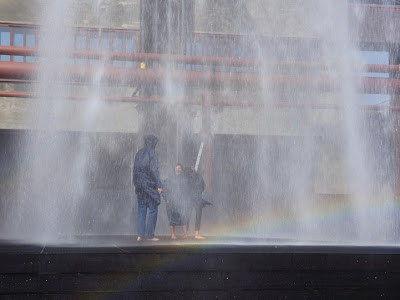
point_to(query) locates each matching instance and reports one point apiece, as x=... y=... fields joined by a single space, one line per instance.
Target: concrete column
x=165 y=27
x=394 y=59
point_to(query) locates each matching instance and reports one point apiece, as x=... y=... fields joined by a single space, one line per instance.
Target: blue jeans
x=151 y=220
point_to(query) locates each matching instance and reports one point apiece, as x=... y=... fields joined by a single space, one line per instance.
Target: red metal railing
x=11 y=70
x=192 y=60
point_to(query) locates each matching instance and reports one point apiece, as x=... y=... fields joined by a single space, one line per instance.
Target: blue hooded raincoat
x=146 y=178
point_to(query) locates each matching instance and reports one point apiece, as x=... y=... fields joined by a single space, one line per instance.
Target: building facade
x=262 y=83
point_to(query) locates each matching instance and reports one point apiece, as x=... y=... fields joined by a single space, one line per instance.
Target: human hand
x=159 y=190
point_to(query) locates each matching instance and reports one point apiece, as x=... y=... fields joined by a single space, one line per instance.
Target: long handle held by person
x=196 y=166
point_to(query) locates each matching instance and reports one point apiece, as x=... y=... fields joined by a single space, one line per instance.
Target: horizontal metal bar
x=193 y=60
x=26 y=95
x=205 y=79
x=214 y=102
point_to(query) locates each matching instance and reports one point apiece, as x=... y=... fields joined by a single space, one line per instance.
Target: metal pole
x=196 y=166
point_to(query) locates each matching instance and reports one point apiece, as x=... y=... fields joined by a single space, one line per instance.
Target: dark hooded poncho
x=176 y=193
x=145 y=171
x=196 y=187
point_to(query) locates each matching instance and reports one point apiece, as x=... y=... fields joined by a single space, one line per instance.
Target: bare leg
x=172 y=229
x=184 y=231
x=198 y=236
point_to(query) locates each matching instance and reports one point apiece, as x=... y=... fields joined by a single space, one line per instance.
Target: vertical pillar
x=165 y=26
x=206 y=128
x=394 y=59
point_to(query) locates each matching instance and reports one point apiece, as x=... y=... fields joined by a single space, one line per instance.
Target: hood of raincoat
x=150 y=141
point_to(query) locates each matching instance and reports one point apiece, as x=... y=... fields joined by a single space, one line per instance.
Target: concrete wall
x=265 y=17
x=73 y=115
x=16 y=113
x=91 y=13
x=19 y=11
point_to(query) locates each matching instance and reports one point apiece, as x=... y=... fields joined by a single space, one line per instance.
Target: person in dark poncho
x=175 y=196
x=196 y=187
x=148 y=188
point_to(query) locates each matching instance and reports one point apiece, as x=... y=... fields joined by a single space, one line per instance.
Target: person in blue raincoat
x=148 y=187
x=175 y=194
